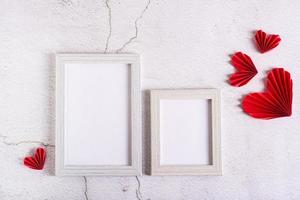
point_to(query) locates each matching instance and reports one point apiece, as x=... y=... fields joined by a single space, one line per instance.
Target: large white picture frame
x=98 y=115
x=185 y=132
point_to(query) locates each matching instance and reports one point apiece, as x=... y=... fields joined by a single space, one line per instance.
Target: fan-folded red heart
x=246 y=70
x=266 y=42
x=276 y=101
x=37 y=161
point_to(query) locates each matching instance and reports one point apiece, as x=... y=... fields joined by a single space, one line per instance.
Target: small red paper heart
x=246 y=70
x=37 y=161
x=266 y=42
x=276 y=101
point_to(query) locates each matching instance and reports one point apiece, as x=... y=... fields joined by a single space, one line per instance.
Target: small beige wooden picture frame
x=185 y=132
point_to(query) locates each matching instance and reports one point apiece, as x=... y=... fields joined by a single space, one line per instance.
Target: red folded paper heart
x=266 y=42
x=246 y=70
x=276 y=101
x=37 y=161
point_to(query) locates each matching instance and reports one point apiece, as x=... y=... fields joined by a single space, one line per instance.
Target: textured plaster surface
x=184 y=44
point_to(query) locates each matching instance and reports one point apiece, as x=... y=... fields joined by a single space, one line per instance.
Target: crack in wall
x=24 y=142
x=66 y=2
x=86 y=188
x=136 y=28
x=138 y=190
x=110 y=26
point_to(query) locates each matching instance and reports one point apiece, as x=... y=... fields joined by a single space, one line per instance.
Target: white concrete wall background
x=183 y=44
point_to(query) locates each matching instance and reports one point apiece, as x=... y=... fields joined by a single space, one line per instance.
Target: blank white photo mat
x=185 y=130
x=98 y=114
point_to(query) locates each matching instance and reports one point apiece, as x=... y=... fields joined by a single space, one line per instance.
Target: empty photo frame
x=98 y=115
x=185 y=132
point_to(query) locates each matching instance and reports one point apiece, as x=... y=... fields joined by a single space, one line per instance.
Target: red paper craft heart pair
x=246 y=70
x=37 y=161
x=276 y=101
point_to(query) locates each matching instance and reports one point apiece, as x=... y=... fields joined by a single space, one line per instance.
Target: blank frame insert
x=97 y=114
x=185 y=135
x=185 y=123
x=98 y=129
